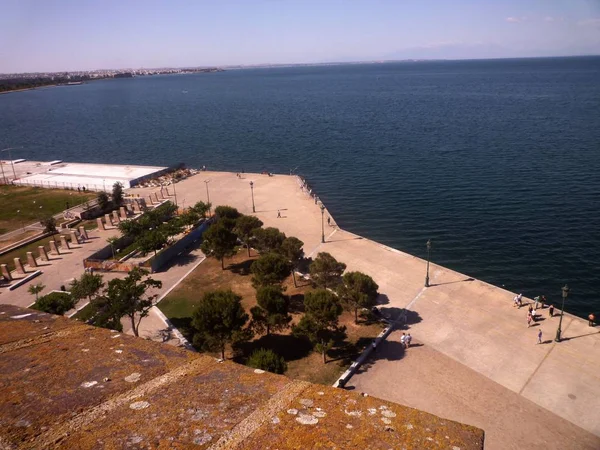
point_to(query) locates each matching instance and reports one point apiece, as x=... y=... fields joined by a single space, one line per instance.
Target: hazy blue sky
x=52 y=35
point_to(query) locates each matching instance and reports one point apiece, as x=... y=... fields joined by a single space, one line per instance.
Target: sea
x=496 y=161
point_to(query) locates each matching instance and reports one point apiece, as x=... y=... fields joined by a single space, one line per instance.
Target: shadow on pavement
x=388 y=350
x=452 y=282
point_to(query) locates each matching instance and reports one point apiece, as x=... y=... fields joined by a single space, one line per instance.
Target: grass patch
x=9 y=257
x=27 y=200
x=302 y=362
x=84 y=314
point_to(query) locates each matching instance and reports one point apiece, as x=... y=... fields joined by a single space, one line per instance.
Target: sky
x=62 y=35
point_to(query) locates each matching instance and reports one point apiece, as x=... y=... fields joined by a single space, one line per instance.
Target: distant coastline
x=29 y=81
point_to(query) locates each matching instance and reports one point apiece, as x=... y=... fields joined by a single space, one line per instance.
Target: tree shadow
x=382 y=299
x=241 y=268
x=304 y=265
x=184 y=325
x=296 y=305
x=289 y=347
x=402 y=316
x=386 y=350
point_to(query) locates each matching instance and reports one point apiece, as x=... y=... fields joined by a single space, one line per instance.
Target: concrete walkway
x=467 y=321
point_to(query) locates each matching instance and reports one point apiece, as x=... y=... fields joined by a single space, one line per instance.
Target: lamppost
x=104 y=185
x=207 y=196
x=174 y=191
x=565 y=294
x=11 y=162
x=252 y=191
x=322 y=223
x=428 y=258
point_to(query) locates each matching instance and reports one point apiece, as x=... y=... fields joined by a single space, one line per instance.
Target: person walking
x=528 y=319
x=516 y=301
x=408 y=340
x=537 y=301
x=540 y=336
x=592 y=320
x=530 y=309
x=403 y=340
x=278 y=214
x=329 y=221
x=551 y=311
x=520 y=299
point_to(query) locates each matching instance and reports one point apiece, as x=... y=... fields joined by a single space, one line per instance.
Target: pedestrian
x=328 y=220
x=528 y=320
x=408 y=340
x=540 y=336
x=530 y=309
x=543 y=301
x=278 y=214
x=403 y=340
x=537 y=301
x=592 y=320
x=520 y=299
x=516 y=301
x=534 y=315
x=551 y=311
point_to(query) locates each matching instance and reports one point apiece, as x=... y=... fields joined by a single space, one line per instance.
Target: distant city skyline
x=64 y=35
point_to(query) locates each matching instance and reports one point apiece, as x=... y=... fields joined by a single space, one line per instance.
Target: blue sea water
x=496 y=161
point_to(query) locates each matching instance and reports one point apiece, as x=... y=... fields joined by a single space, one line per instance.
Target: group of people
x=405 y=340
x=532 y=314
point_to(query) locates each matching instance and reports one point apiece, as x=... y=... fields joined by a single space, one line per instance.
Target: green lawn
x=9 y=257
x=84 y=314
x=23 y=205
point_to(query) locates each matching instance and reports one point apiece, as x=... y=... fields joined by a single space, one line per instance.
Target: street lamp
x=322 y=223
x=104 y=185
x=428 y=258
x=207 y=196
x=252 y=191
x=174 y=191
x=11 y=162
x=565 y=294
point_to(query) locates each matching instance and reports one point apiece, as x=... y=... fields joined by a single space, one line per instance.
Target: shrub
x=55 y=303
x=267 y=360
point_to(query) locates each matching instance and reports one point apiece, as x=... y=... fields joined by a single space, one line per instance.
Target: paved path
x=467 y=321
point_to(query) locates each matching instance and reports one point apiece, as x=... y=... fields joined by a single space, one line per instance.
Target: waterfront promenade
x=488 y=371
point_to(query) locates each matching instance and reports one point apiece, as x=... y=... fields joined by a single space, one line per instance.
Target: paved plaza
x=475 y=361
x=468 y=322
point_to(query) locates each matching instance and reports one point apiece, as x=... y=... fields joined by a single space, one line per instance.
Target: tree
x=189 y=217
x=265 y=359
x=103 y=201
x=357 y=290
x=268 y=239
x=87 y=286
x=49 y=224
x=152 y=240
x=291 y=248
x=201 y=209
x=127 y=297
x=218 y=320
x=117 y=194
x=227 y=212
x=320 y=321
x=326 y=271
x=271 y=314
x=270 y=268
x=245 y=226
x=35 y=289
x=218 y=242
x=55 y=303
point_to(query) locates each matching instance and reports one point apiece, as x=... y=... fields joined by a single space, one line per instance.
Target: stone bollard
x=63 y=242
x=53 y=247
x=100 y=224
x=107 y=219
x=151 y=201
x=156 y=196
x=162 y=195
x=83 y=232
x=74 y=239
x=31 y=260
x=123 y=213
x=136 y=208
x=115 y=216
x=167 y=189
x=43 y=254
x=129 y=208
x=5 y=272
x=19 y=266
